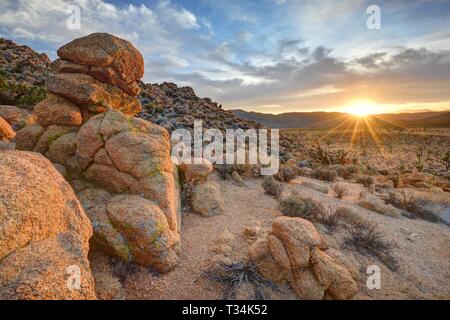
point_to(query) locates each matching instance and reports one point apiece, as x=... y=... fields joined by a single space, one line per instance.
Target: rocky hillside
x=23 y=73
x=166 y=104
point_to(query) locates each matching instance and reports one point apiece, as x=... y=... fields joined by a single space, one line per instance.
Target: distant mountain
x=326 y=120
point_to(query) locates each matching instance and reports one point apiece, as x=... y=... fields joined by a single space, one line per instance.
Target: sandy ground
x=244 y=206
x=424 y=264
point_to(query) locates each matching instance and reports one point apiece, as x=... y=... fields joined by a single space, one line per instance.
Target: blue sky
x=267 y=55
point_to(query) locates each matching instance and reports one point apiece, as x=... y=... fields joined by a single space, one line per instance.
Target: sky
x=268 y=56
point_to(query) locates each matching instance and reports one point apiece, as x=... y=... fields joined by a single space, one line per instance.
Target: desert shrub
x=341 y=189
x=328 y=216
x=22 y=95
x=366 y=180
x=296 y=206
x=396 y=180
x=366 y=237
x=272 y=187
x=186 y=193
x=121 y=269
x=401 y=199
x=324 y=174
x=446 y=160
x=225 y=170
x=406 y=200
x=326 y=156
x=286 y=174
x=234 y=275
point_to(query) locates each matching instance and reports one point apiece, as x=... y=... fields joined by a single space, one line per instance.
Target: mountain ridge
x=326 y=120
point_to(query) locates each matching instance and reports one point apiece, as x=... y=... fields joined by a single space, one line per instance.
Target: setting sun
x=361 y=108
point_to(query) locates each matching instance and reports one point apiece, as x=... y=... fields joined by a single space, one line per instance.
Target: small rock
x=237 y=179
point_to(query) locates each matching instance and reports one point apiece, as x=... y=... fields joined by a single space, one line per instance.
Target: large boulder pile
x=176 y=107
x=119 y=165
x=22 y=64
x=292 y=253
x=16 y=117
x=44 y=232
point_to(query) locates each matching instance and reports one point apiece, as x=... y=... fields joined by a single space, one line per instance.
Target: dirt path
x=244 y=206
x=424 y=271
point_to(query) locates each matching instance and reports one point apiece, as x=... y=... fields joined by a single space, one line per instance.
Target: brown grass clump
x=234 y=275
x=340 y=189
x=366 y=180
x=272 y=187
x=294 y=206
x=329 y=217
x=286 y=174
x=366 y=237
x=324 y=174
x=186 y=193
x=406 y=200
x=320 y=154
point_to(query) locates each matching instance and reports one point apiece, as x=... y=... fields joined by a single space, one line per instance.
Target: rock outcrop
x=291 y=253
x=205 y=196
x=6 y=132
x=44 y=232
x=120 y=165
x=16 y=117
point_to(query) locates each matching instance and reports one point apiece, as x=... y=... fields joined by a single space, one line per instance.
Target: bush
x=272 y=187
x=366 y=237
x=122 y=269
x=21 y=95
x=294 y=206
x=341 y=189
x=286 y=174
x=405 y=200
x=186 y=193
x=328 y=216
x=234 y=275
x=327 y=157
x=324 y=174
x=366 y=181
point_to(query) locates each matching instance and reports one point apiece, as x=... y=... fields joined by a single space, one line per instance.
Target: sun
x=361 y=108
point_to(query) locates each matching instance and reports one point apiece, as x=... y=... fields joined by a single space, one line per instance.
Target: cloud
x=284 y=56
x=181 y=17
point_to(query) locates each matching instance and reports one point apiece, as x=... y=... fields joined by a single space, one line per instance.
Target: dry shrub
x=329 y=217
x=122 y=269
x=186 y=193
x=324 y=156
x=341 y=190
x=272 y=187
x=366 y=237
x=234 y=275
x=324 y=174
x=294 y=206
x=225 y=170
x=286 y=174
x=406 y=200
x=366 y=180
